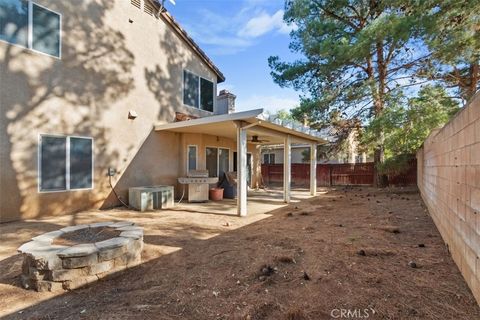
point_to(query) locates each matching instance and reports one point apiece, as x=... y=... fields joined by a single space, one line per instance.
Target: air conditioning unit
x=151 y=198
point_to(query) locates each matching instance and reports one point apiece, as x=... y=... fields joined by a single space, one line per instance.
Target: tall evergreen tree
x=356 y=53
x=452 y=32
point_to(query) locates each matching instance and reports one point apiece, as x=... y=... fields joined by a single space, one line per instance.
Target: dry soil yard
x=346 y=249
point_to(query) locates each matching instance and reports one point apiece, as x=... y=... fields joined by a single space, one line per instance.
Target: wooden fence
x=334 y=174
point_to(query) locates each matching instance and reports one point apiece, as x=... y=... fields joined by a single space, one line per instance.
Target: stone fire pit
x=71 y=257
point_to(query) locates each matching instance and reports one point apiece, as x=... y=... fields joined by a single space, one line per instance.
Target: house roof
x=168 y=18
x=224 y=126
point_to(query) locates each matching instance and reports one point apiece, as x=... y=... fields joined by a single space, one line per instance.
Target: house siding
x=115 y=58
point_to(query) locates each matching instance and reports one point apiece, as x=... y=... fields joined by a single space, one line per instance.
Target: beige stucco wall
x=108 y=67
x=449 y=182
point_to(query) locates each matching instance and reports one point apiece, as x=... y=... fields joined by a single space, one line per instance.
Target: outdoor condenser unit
x=151 y=198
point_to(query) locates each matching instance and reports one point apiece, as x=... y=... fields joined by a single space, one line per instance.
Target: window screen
x=212 y=161
x=53 y=163
x=80 y=163
x=223 y=161
x=192 y=158
x=190 y=89
x=206 y=95
x=14 y=21
x=46 y=31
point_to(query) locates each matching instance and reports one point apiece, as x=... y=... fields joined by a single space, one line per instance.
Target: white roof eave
x=244 y=115
x=252 y=116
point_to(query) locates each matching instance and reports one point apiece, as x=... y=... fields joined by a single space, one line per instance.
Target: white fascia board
x=244 y=115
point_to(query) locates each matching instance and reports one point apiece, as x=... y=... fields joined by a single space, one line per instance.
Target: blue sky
x=239 y=36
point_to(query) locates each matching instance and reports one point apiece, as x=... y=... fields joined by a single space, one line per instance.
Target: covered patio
x=247 y=128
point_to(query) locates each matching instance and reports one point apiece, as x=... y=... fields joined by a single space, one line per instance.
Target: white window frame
x=269 y=157
x=218 y=157
x=67 y=162
x=188 y=156
x=199 y=91
x=30 y=32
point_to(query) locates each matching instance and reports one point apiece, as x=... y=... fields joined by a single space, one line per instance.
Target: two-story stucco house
x=90 y=85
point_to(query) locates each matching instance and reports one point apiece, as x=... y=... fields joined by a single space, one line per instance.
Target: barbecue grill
x=198 y=184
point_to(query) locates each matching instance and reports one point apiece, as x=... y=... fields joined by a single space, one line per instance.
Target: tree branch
x=337 y=17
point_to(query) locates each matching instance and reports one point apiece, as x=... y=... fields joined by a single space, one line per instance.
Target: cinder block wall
x=449 y=182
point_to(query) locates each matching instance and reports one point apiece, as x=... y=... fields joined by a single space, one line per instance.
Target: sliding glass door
x=223 y=162
x=217 y=161
x=212 y=161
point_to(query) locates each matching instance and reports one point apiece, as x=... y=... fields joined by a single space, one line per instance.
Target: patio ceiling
x=225 y=126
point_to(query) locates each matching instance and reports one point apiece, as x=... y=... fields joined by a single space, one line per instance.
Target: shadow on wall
x=155 y=163
x=161 y=82
x=41 y=94
x=165 y=80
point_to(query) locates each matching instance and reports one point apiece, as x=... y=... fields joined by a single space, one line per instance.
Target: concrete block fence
x=449 y=182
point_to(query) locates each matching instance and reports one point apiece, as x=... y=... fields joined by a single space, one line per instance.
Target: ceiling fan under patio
x=255 y=139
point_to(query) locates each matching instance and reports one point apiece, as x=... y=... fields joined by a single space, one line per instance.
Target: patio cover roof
x=224 y=126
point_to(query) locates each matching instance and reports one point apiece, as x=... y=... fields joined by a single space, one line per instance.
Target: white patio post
x=313 y=169
x=242 y=171
x=287 y=169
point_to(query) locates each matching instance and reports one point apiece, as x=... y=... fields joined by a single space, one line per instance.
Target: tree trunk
x=474 y=74
x=379 y=151
x=379 y=103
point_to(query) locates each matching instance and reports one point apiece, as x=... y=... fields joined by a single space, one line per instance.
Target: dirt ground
x=347 y=249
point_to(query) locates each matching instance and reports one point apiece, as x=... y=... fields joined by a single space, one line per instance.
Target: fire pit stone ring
x=74 y=256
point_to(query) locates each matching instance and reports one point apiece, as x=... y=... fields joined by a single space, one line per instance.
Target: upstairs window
x=198 y=92
x=65 y=163
x=45 y=31
x=14 y=22
x=190 y=89
x=31 y=26
x=206 y=95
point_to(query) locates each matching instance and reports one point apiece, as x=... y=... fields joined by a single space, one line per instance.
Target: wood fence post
x=330 y=167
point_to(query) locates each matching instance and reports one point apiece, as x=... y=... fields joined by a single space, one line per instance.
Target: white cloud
x=264 y=23
x=220 y=43
x=230 y=34
x=270 y=103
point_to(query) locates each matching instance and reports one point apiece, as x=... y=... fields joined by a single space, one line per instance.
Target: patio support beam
x=242 y=169
x=287 y=168
x=313 y=169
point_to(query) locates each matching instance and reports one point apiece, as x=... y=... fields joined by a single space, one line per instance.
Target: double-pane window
x=65 y=163
x=30 y=25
